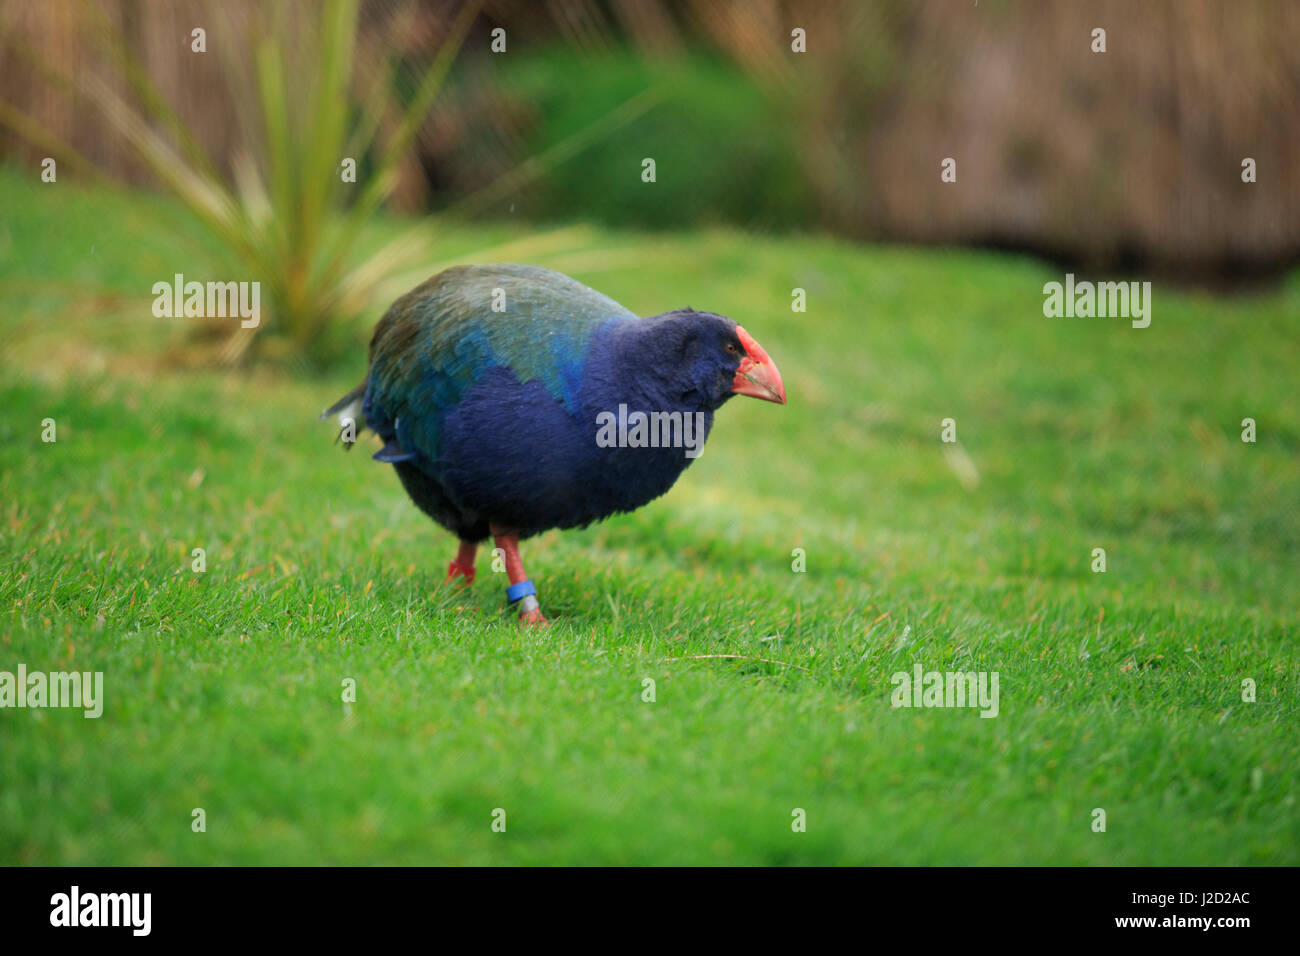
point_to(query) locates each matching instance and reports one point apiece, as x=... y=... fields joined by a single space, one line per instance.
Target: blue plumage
x=487 y=385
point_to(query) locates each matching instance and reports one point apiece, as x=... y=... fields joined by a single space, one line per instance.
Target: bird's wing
x=437 y=340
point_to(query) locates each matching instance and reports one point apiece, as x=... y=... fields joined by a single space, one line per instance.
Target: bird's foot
x=533 y=618
x=462 y=566
x=523 y=595
x=456 y=570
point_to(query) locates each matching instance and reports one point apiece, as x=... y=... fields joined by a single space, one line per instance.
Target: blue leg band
x=521 y=590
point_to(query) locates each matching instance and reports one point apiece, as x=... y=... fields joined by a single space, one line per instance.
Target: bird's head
x=716 y=359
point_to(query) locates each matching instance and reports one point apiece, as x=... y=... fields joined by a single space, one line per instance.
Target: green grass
x=1119 y=690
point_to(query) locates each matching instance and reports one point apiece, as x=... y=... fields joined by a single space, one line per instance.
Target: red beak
x=757 y=375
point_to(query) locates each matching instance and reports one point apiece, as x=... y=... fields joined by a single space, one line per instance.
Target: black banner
x=1219 y=907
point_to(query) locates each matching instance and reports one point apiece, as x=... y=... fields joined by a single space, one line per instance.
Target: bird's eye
x=731 y=347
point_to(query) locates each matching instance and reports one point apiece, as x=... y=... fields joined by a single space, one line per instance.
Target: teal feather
x=439 y=339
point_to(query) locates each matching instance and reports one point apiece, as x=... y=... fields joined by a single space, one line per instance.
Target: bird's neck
x=646 y=367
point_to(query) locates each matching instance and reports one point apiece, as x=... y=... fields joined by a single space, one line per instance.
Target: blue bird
x=512 y=399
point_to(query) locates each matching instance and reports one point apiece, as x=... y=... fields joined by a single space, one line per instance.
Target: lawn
x=1119 y=691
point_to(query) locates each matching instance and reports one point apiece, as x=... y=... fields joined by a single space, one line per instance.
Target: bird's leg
x=521 y=593
x=463 y=566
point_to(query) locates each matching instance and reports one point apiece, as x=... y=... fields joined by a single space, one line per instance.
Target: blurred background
x=1126 y=160
x=340 y=152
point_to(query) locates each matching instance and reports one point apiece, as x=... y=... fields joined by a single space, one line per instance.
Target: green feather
x=435 y=341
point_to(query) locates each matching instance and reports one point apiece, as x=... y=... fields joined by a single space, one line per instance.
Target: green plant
x=284 y=216
x=278 y=211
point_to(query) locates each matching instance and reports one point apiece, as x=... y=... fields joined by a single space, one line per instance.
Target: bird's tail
x=349 y=411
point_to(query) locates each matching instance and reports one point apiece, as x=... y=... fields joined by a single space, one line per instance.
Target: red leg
x=529 y=610
x=463 y=566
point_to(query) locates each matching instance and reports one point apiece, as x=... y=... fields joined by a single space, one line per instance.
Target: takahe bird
x=508 y=396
